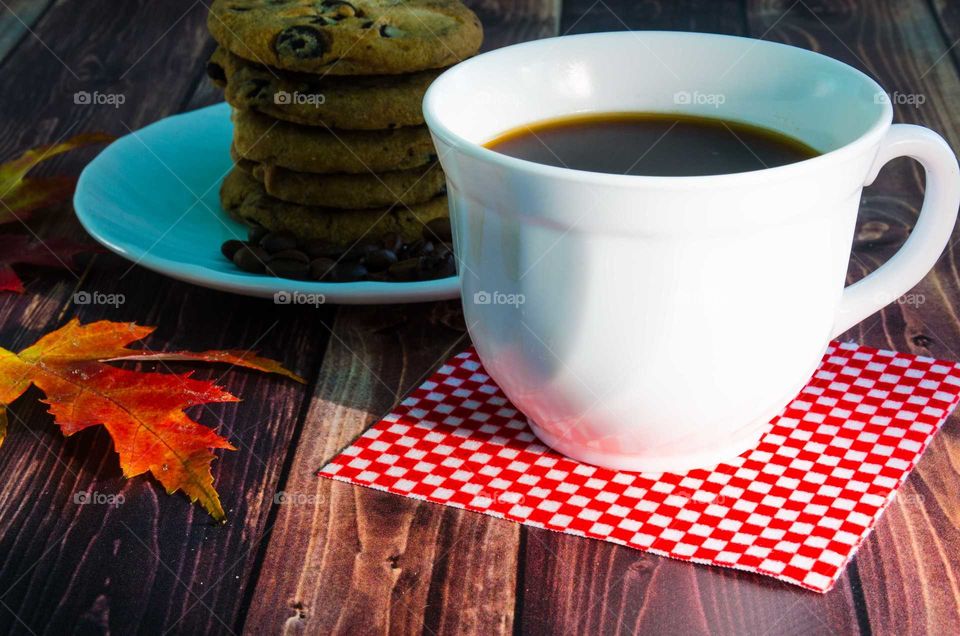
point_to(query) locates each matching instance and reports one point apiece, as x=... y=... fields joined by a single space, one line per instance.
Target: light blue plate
x=153 y=197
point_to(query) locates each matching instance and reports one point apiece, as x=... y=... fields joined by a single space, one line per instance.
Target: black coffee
x=651 y=144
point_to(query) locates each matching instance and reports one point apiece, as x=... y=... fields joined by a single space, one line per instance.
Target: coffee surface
x=651 y=144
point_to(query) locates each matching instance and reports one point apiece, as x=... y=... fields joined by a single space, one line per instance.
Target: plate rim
x=260 y=286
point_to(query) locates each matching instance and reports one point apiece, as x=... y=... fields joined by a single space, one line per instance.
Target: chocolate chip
x=216 y=73
x=379 y=260
x=288 y=268
x=278 y=241
x=438 y=229
x=290 y=255
x=251 y=258
x=302 y=42
x=321 y=267
x=230 y=248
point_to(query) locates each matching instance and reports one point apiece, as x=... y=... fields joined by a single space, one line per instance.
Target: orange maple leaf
x=143 y=412
x=20 y=196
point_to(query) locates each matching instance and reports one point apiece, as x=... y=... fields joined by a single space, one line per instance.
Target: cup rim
x=435 y=122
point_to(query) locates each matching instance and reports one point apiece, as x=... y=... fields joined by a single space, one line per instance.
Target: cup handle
x=930 y=234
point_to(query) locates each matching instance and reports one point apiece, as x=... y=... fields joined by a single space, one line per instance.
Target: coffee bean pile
x=387 y=259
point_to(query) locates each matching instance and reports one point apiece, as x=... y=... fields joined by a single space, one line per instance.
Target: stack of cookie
x=329 y=139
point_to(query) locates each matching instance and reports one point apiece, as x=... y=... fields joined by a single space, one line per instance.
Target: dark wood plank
x=17 y=20
x=590 y=16
x=948 y=17
x=345 y=559
x=583 y=586
x=574 y=585
x=353 y=560
x=909 y=565
x=155 y=562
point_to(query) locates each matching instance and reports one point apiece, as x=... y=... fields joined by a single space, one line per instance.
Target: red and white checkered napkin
x=796 y=507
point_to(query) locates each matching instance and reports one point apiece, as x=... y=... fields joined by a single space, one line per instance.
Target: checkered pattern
x=796 y=507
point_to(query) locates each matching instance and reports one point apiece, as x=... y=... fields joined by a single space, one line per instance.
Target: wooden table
x=352 y=560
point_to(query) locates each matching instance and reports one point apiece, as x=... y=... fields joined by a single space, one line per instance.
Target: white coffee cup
x=659 y=323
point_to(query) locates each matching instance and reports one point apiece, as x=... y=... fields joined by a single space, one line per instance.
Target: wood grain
x=908 y=567
x=350 y=559
x=307 y=555
x=948 y=18
x=155 y=562
x=353 y=560
x=17 y=20
x=578 y=586
x=588 y=16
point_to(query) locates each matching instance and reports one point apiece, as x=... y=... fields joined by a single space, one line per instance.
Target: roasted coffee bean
x=230 y=248
x=287 y=268
x=407 y=269
x=447 y=267
x=412 y=249
x=379 y=260
x=256 y=234
x=427 y=267
x=315 y=248
x=438 y=230
x=359 y=252
x=302 y=42
x=442 y=250
x=251 y=258
x=347 y=271
x=278 y=242
x=321 y=267
x=391 y=241
x=290 y=255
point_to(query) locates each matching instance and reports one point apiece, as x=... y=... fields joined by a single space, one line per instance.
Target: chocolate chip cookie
x=370 y=102
x=246 y=200
x=324 y=150
x=362 y=37
x=348 y=191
